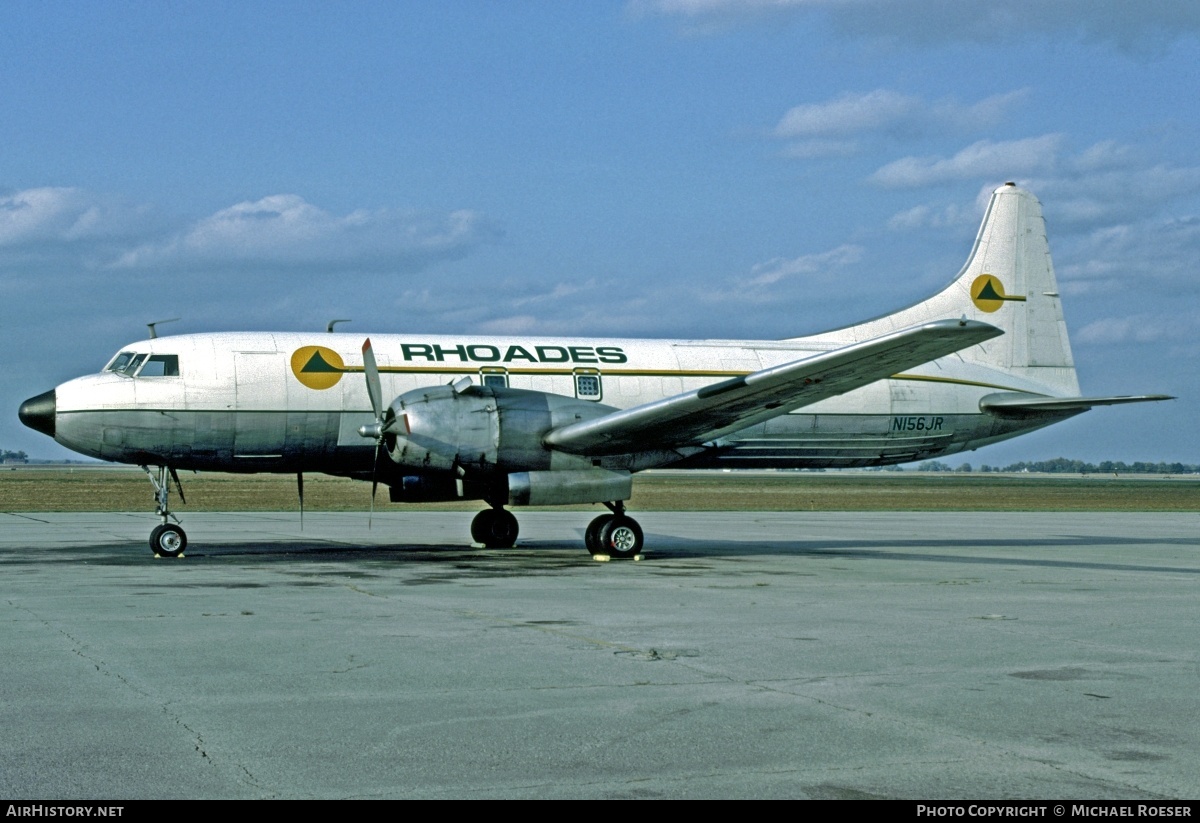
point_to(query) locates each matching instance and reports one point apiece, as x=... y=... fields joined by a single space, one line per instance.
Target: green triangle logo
x=988 y=292
x=317 y=364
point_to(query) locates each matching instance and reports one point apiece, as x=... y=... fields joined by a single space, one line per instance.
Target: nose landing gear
x=167 y=539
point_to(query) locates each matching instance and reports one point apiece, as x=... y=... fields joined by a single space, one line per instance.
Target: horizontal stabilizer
x=1014 y=402
x=701 y=415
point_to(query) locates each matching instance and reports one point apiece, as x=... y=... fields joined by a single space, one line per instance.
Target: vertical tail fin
x=1008 y=281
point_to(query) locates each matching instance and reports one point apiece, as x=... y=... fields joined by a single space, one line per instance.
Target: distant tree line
x=1061 y=465
x=16 y=457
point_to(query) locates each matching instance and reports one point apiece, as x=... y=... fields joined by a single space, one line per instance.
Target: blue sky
x=653 y=168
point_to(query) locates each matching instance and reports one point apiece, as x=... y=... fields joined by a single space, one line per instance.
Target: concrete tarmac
x=750 y=655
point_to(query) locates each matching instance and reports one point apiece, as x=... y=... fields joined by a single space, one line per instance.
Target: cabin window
x=496 y=378
x=160 y=365
x=587 y=386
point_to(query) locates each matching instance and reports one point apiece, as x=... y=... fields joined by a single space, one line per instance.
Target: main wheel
x=495 y=528
x=621 y=537
x=168 y=540
x=481 y=526
x=591 y=537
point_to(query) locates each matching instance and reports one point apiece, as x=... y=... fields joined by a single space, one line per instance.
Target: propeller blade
x=374 y=482
x=375 y=391
x=374 y=388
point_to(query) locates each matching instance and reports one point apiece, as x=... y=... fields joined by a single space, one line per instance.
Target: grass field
x=123 y=489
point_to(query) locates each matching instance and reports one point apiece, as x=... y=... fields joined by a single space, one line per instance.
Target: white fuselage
x=289 y=402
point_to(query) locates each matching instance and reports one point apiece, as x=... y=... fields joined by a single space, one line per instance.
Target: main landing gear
x=167 y=539
x=495 y=528
x=615 y=535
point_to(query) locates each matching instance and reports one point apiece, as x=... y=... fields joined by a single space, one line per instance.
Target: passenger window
x=587 y=386
x=493 y=376
x=161 y=365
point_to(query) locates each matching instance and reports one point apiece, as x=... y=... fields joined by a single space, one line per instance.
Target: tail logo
x=987 y=292
x=317 y=367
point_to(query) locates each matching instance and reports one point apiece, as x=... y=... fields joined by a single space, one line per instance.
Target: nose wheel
x=167 y=539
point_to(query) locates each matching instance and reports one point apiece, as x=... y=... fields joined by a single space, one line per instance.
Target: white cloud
x=285 y=230
x=560 y=292
x=1141 y=328
x=933 y=217
x=64 y=215
x=1085 y=199
x=1136 y=258
x=883 y=110
x=849 y=114
x=39 y=213
x=779 y=277
x=772 y=271
x=843 y=126
x=984 y=159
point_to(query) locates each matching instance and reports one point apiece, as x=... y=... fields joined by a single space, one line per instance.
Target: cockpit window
x=160 y=365
x=132 y=364
x=119 y=362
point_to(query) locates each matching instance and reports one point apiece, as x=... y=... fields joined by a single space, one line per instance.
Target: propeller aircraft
x=520 y=421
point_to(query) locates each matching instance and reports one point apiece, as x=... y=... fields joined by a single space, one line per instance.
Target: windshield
x=119 y=362
x=133 y=364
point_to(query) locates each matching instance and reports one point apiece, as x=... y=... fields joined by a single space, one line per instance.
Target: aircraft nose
x=38 y=412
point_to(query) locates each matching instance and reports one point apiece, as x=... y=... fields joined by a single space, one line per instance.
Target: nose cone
x=38 y=412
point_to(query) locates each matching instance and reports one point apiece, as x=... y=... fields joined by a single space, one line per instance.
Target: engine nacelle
x=564 y=487
x=482 y=429
x=536 y=488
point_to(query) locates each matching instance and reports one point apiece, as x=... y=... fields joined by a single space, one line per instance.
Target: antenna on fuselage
x=153 y=332
x=332 y=323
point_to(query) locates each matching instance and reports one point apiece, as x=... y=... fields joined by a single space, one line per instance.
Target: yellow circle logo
x=987 y=292
x=317 y=367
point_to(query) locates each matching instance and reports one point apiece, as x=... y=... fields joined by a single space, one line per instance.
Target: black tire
x=168 y=540
x=481 y=526
x=495 y=528
x=591 y=537
x=621 y=537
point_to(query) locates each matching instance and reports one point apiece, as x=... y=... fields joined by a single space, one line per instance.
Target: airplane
x=521 y=421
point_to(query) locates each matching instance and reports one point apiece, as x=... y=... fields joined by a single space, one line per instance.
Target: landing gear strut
x=167 y=539
x=495 y=528
x=616 y=535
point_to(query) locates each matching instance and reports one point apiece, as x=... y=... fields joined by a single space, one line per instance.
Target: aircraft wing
x=1019 y=403
x=704 y=414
